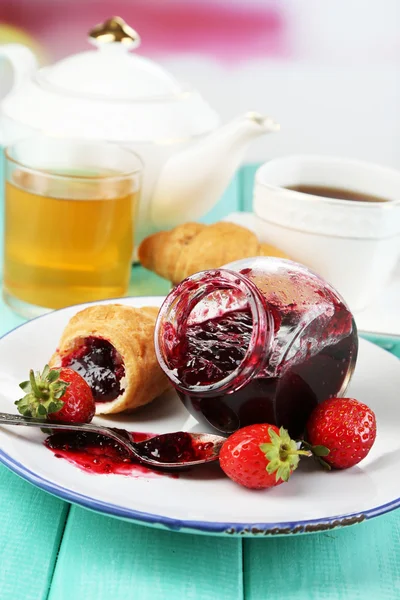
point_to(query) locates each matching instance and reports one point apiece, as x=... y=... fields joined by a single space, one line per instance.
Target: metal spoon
x=198 y=449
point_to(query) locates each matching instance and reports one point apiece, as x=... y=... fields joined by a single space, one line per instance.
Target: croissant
x=194 y=247
x=112 y=347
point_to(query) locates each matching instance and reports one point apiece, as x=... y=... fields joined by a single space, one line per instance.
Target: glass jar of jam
x=261 y=340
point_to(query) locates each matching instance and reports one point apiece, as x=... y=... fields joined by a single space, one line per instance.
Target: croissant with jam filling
x=112 y=347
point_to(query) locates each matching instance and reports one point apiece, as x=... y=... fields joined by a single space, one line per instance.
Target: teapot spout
x=192 y=181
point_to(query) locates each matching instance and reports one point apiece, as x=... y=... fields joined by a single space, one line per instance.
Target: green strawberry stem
x=39 y=393
x=43 y=393
x=317 y=452
x=285 y=453
x=282 y=454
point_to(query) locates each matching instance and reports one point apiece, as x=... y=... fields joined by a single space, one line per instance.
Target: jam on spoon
x=97 y=453
x=77 y=441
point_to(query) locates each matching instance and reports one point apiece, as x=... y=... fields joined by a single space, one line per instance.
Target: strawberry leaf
x=55 y=406
x=41 y=410
x=43 y=393
x=320 y=450
x=282 y=473
x=60 y=392
x=281 y=454
x=24 y=407
x=53 y=376
x=317 y=453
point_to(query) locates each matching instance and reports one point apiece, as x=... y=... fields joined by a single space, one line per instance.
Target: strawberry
x=58 y=394
x=259 y=456
x=342 y=430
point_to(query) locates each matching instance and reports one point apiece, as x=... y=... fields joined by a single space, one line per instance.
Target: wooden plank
x=355 y=563
x=31 y=527
x=102 y=558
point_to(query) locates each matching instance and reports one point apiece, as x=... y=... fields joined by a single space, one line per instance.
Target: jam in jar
x=261 y=340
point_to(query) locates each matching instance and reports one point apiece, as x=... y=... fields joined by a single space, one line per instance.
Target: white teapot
x=109 y=94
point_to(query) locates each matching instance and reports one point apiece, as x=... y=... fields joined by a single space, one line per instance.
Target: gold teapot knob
x=114 y=30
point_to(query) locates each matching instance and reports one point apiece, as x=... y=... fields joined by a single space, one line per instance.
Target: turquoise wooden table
x=52 y=550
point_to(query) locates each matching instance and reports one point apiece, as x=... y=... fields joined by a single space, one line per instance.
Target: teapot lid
x=111 y=71
x=77 y=96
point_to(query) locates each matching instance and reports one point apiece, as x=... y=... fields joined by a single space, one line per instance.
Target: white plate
x=205 y=501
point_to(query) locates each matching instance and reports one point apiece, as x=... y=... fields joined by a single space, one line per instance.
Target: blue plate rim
x=226 y=528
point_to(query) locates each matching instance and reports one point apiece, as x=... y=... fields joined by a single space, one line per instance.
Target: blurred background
x=327 y=70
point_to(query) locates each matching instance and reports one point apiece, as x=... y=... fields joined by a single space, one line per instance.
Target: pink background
x=221 y=29
x=327 y=70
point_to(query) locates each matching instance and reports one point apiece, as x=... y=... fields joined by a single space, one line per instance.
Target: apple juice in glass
x=69 y=218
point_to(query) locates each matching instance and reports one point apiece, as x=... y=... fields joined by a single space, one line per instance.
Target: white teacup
x=354 y=245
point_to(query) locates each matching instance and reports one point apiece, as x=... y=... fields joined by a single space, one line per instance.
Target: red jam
x=285 y=400
x=98 y=362
x=177 y=447
x=96 y=453
x=213 y=348
x=308 y=357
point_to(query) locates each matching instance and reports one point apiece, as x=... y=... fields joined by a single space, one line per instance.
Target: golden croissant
x=111 y=346
x=194 y=247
